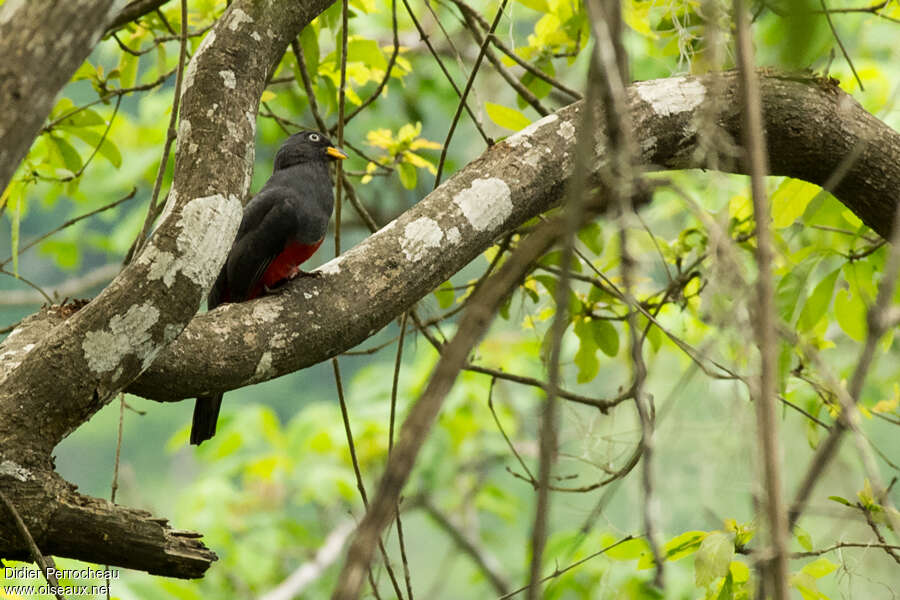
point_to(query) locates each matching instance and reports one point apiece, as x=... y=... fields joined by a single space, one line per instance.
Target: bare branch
x=775 y=573
x=475 y=320
x=308 y=572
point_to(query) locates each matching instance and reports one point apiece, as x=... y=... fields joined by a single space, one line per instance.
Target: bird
x=282 y=226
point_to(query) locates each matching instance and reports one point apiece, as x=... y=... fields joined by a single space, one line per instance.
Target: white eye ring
x=314 y=137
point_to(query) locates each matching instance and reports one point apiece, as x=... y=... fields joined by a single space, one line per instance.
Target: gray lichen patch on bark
x=207 y=226
x=486 y=203
x=671 y=96
x=129 y=333
x=420 y=237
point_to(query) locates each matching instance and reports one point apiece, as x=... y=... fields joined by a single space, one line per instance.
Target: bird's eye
x=314 y=137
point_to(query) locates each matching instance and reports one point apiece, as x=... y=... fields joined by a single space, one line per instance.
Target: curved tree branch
x=814 y=129
x=57 y=380
x=62 y=365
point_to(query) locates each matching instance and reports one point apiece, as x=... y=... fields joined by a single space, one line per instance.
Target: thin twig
x=29 y=283
x=307 y=85
x=96 y=148
x=171 y=134
x=775 y=573
x=609 y=57
x=487 y=563
x=840 y=44
x=889 y=548
x=465 y=94
x=390 y=66
x=520 y=89
x=302 y=576
x=345 y=415
x=877 y=321
x=472 y=326
x=437 y=58
x=557 y=572
x=114 y=487
x=509 y=443
x=394 y=387
x=106 y=96
x=498 y=43
x=602 y=405
x=71 y=222
x=70 y=288
x=32 y=546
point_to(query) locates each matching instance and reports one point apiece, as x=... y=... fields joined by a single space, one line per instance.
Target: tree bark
x=813 y=129
x=64 y=364
x=41 y=50
x=75 y=362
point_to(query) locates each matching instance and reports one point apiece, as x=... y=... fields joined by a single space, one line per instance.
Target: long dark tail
x=206 y=413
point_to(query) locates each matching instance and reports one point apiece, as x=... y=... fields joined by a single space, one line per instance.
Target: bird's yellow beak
x=335 y=152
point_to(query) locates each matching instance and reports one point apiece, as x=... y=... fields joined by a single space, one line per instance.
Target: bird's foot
x=298 y=272
x=277 y=287
x=294 y=274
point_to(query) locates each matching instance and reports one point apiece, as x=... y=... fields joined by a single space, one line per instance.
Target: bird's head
x=307 y=146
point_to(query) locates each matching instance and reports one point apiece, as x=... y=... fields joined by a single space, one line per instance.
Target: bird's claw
x=294 y=274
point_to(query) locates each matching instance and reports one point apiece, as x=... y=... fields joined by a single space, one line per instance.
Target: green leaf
x=791 y=288
x=14 y=196
x=851 y=314
x=366 y=6
x=309 y=42
x=817 y=304
x=368 y=52
x=840 y=500
x=806 y=585
x=586 y=357
x=549 y=282
x=331 y=18
x=630 y=550
x=727 y=591
x=84 y=118
x=407 y=174
x=107 y=149
x=739 y=572
x=683 y=545
x=508 y=118
x=538 y=5
x=803 y=537
x=65 y=253
x=605 y=335
x=65 y=154
x=445 y=295
x=128 y=69
x=592 y=237
x=790 y=200
x=85 y=71
x=713 y=557
x=819 y=568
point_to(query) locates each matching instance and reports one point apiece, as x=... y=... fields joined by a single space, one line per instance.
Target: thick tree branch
x=57 y=380
x=813 y=127
x=58 y=371
x=41 y=49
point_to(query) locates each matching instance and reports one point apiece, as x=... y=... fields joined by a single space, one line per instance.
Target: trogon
x=283 y=225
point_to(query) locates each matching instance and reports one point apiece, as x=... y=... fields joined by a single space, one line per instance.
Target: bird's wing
x=267 y=226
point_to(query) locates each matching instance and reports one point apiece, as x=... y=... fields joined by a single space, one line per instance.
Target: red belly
x=285 y=265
